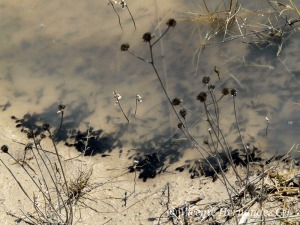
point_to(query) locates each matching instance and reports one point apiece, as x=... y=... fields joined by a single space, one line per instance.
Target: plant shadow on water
x=89 y=142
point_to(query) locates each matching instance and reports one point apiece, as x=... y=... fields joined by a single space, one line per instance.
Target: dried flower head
x=233 y=92
x=4 y=148
x=225 y=91
x=46 y=126
x=147 y=37
x=180 y=126
x=30 y=135
x=124 y=47
x=123 y=4
x=61 y=108
x=176 y=101
x=211 y=87
x=28 y=146
x=205 y=80
x=202 y=96
x=171 y=22
x=183 y=113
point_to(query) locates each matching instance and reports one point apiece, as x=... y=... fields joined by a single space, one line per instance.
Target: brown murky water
x=69 y=53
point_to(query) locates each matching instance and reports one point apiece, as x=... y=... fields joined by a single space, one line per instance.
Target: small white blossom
x=139 y=98
x=117 y=96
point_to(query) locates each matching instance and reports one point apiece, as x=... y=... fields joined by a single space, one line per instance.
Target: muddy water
x=69 y=53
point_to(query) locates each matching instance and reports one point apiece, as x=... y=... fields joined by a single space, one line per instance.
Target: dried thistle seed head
x=147 y=37
x=202 y=96
x=171 y=22
x=233 y=92
x=176 y=101
x=211 y=87
x=46 y=126
x=61 y=107
x=123 y=4
x=42 y=136
x=4 y=148
x=225 y=91
x=180 y=126
x=183 y=113
x=205 y=80
x=28 y=147
x=30 y=134
x=124 y=47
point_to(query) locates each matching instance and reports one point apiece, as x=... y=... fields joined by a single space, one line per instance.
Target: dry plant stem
x=64 y=176
x=43 y=178
x=19 y=184
x=285 y=19
x=151 y=45
x=87 y=139
x=55 y=182
x=204 y=2
x=112 y=4
x=157 y=75
x=138 y=57
x=216 y=108
x=196 y=145
x=59 y=161
x=167 y=204
x=43 y=193
x=136 y=105
x=240 y=134
x=267 y=128
x=261 y=195
x=130 y=16
x=123 y=111
x=226 y=150
x=61 y=120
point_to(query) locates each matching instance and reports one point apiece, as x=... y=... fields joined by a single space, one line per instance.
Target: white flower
x=139 y=98
x=117 y=96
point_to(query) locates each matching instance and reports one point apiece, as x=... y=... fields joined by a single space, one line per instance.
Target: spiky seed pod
x=180 y=126
x=176 y=101
x=61 y=107
x=30 y=135
x=205 y=80
x=183 y=113
x=211 y=87
x=233 y=92
x=202 y=96
x=4 y=148
x=225 y=91
x=46 y=126
x=28 y=146
x=124 y=47
x=147 y=37
x=171 y=22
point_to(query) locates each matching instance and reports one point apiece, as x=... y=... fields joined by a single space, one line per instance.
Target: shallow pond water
x=69 y=53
